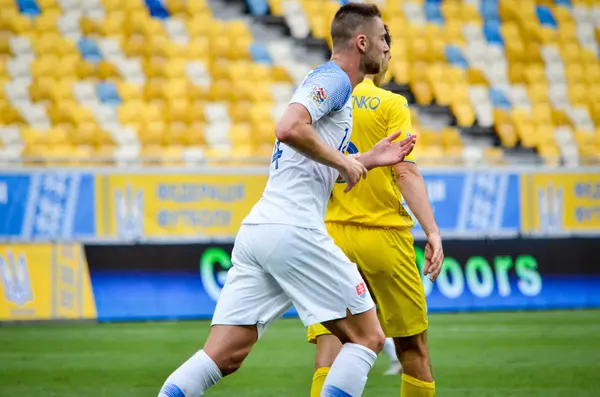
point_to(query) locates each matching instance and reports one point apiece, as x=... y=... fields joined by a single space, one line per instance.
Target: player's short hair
x=388 y=36
x=349 y=18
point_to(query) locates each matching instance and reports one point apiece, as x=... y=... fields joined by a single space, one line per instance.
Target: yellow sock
x=318 y=381
x=413 y=387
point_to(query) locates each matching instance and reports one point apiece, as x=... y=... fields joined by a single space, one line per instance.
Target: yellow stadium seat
x=199 y=7
x=241 y=112
x=41 y=89
x=507 y=134
x=574 y=72
x=152 y=133
x=85 y=134
x=240 y=134
x=578 y=94
x=418 y=50
x=535 y=75
x=113 y=24
x=470 y=14
x=196 y=112
x=538 y=93
x=264 y=133
x=494 y=156
x=19 y=24
x=47 y=21
x=401 y=72
x=219 y=47
x=533 y=52
x=276 y=7
x=135 y=46
x=527 y=134
x=178 y=110
x=175 y=134
x=175 y=89
x=195 y=135
x=542 y=114
x=570 y=52
x=281 y=75
x=453 y=32
x=63 y=90
x=451 y=138
x=128 y=91
x=199 y=25
x=89 y=26
x=240 y=48
x=45 y=66
x=198 y=48
x=451 y=9
x=129 y=112
x=464 y=113
x=137 y=22
x=153 y=90
x=57 y=136
x=589 y=57
x=175 y=68
x=476 y=77
x=176 y=8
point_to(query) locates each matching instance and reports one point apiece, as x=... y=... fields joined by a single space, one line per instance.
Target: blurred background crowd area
x=186 y=82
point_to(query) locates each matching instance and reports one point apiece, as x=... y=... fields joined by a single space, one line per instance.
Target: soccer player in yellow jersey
x=373 y=229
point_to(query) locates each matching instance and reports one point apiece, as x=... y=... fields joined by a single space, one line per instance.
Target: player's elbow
x=286 y=132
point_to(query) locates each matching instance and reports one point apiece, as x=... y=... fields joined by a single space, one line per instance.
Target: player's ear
x=361 y=43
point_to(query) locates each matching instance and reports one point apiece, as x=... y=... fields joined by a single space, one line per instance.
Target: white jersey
x=299 y=188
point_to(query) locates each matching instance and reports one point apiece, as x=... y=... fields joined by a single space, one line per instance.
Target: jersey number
x=344 y=143
x=278 y=152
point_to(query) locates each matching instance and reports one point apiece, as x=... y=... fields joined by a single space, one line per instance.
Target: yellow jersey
x=375 y=201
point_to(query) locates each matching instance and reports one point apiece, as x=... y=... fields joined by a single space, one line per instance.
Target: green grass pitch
x=524 y=354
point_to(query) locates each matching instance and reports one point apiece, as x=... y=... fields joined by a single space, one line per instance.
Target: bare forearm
x=308 y=142
x=413 y=189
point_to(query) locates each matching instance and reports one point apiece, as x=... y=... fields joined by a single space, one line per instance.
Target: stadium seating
x=525 y=69
x=165 y=82
x=107 y=81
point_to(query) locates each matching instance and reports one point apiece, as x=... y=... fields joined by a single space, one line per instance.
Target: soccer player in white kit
x=283 y=254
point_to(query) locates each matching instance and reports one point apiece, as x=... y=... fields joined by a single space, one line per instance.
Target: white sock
x=389 y=348
x=192 y=378
x=348 y=374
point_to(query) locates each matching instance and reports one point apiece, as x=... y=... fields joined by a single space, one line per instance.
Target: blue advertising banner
x=47 y=206
x=474 y=202
x=160 y=282
x=209 y=204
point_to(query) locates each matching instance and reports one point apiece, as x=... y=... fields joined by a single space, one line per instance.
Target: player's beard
x=372 y=65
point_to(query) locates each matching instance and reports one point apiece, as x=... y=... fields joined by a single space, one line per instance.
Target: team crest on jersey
x=361 y=290
x=319 y=95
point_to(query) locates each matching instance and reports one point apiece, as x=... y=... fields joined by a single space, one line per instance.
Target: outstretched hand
x=387 y=152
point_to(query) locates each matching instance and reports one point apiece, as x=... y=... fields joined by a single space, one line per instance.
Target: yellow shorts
x=386 y=260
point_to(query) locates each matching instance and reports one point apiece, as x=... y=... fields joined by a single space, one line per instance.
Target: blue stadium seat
x=89 y=50
x=433 y=12
x=491 y=30
x=499 y=100
x=29 y=8
x=260 y=53
x=455 y=57
x=157 y=9
x=258 y=7
x=564 y=3
x=545 y=17
x=489 y=11
x=108 y=94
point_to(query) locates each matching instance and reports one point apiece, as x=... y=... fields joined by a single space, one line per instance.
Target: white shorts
x=275 y=266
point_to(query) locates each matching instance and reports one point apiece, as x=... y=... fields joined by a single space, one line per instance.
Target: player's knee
x=415 y=344
x=373 y=341
x=233 y=361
